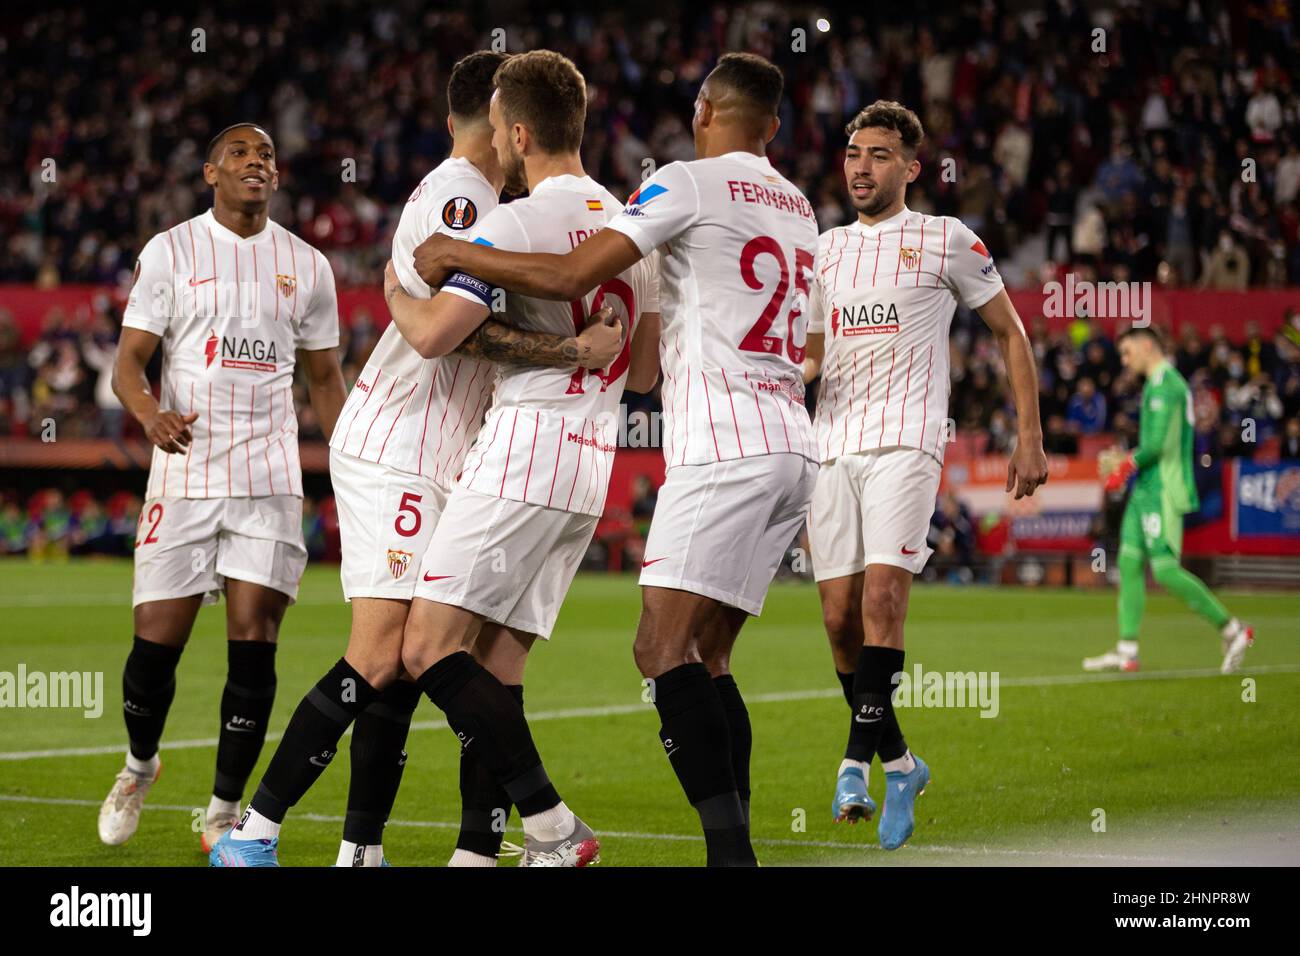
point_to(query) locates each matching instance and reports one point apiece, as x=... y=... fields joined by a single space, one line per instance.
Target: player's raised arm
x=1028 y=467
x=541 y=275
x=450 y=323
x=436 y=326
x=597 y=345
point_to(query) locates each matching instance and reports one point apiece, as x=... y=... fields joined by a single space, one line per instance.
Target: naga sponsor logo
x=591 y=442
x=874 y=319
x=776 y=198
x=235 y=351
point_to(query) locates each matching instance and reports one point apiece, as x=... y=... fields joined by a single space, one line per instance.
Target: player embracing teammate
x=737 y=243
x=884 y=295
x=400 y=443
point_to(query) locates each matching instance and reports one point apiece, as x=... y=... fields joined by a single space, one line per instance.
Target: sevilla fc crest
x=285 y=284
x=398 y=562
x=459 y=213
x=910 y=258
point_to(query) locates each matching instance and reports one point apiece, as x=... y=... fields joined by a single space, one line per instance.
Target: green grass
x=1182 y=766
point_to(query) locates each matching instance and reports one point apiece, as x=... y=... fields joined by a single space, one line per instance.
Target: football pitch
x=1175 y=764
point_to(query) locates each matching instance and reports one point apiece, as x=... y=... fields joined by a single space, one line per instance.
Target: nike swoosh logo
x=646 y=564
x=436 y=577
x=201 y=281
x=909 y=552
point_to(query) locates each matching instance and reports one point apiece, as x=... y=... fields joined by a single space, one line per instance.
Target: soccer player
x=1164 y=491
x=520 y=519
x=402 y=438
x=236 y=302
x=885 y=291
x=738 y=243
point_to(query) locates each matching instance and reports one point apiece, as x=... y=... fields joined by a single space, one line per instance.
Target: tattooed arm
x=448 y=323
x=495 y=341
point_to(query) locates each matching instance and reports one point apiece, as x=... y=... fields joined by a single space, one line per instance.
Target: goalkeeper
x=1164 y=491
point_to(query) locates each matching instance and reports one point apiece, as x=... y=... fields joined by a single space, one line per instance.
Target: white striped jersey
x=888 y=293
x=414 y=414
x=550 y=434
x=739 y=244
x=232 y=313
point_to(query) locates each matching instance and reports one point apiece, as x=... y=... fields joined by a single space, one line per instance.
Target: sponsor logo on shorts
x=646 y=564
x=398 y=562
x=437 y=577
x=909 y=551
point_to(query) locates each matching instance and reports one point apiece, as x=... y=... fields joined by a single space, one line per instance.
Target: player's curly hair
x=888 y=114
x=544 y=91
x=470 y=86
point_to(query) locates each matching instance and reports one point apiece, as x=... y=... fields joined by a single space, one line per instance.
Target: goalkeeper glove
x=1122 y=473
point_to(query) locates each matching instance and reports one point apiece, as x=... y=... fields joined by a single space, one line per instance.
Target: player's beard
x=878 y=202
x=513 y=167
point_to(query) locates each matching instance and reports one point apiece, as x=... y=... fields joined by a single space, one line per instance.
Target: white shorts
x=510 y=561
x=873 y=508
x=188 y=546
x=386 y=518
x=722 y=529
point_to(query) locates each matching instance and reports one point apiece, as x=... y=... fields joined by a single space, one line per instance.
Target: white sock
x=1231 y=628
x=904 y=764
x=1127 y=648
x=217 y=806
x=254 y=826
x=370 y=855
x=142 y=768
x=466 y=858
x=847 y=764
x=549 y=825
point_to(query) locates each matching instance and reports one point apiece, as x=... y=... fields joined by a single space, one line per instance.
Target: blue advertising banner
x=1267 y=499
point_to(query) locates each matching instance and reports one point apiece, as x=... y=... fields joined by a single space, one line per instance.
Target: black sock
x=696 y=738
x=245 y=710
x=487 y=718
x=484 y=803
x=311 y=739
x=873 y=683
x=148 y=686
x=378 y=759
x=742 y=736
x=846 y=682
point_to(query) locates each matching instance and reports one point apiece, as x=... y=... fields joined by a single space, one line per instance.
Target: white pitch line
x=775 y=697
x=631 y=835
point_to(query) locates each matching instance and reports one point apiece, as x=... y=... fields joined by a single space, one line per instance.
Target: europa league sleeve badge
x=459 y=213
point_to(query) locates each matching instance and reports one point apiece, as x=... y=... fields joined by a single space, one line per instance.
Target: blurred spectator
x=1086 y=413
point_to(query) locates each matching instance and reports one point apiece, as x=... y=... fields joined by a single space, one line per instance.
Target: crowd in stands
x=1146 y=141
